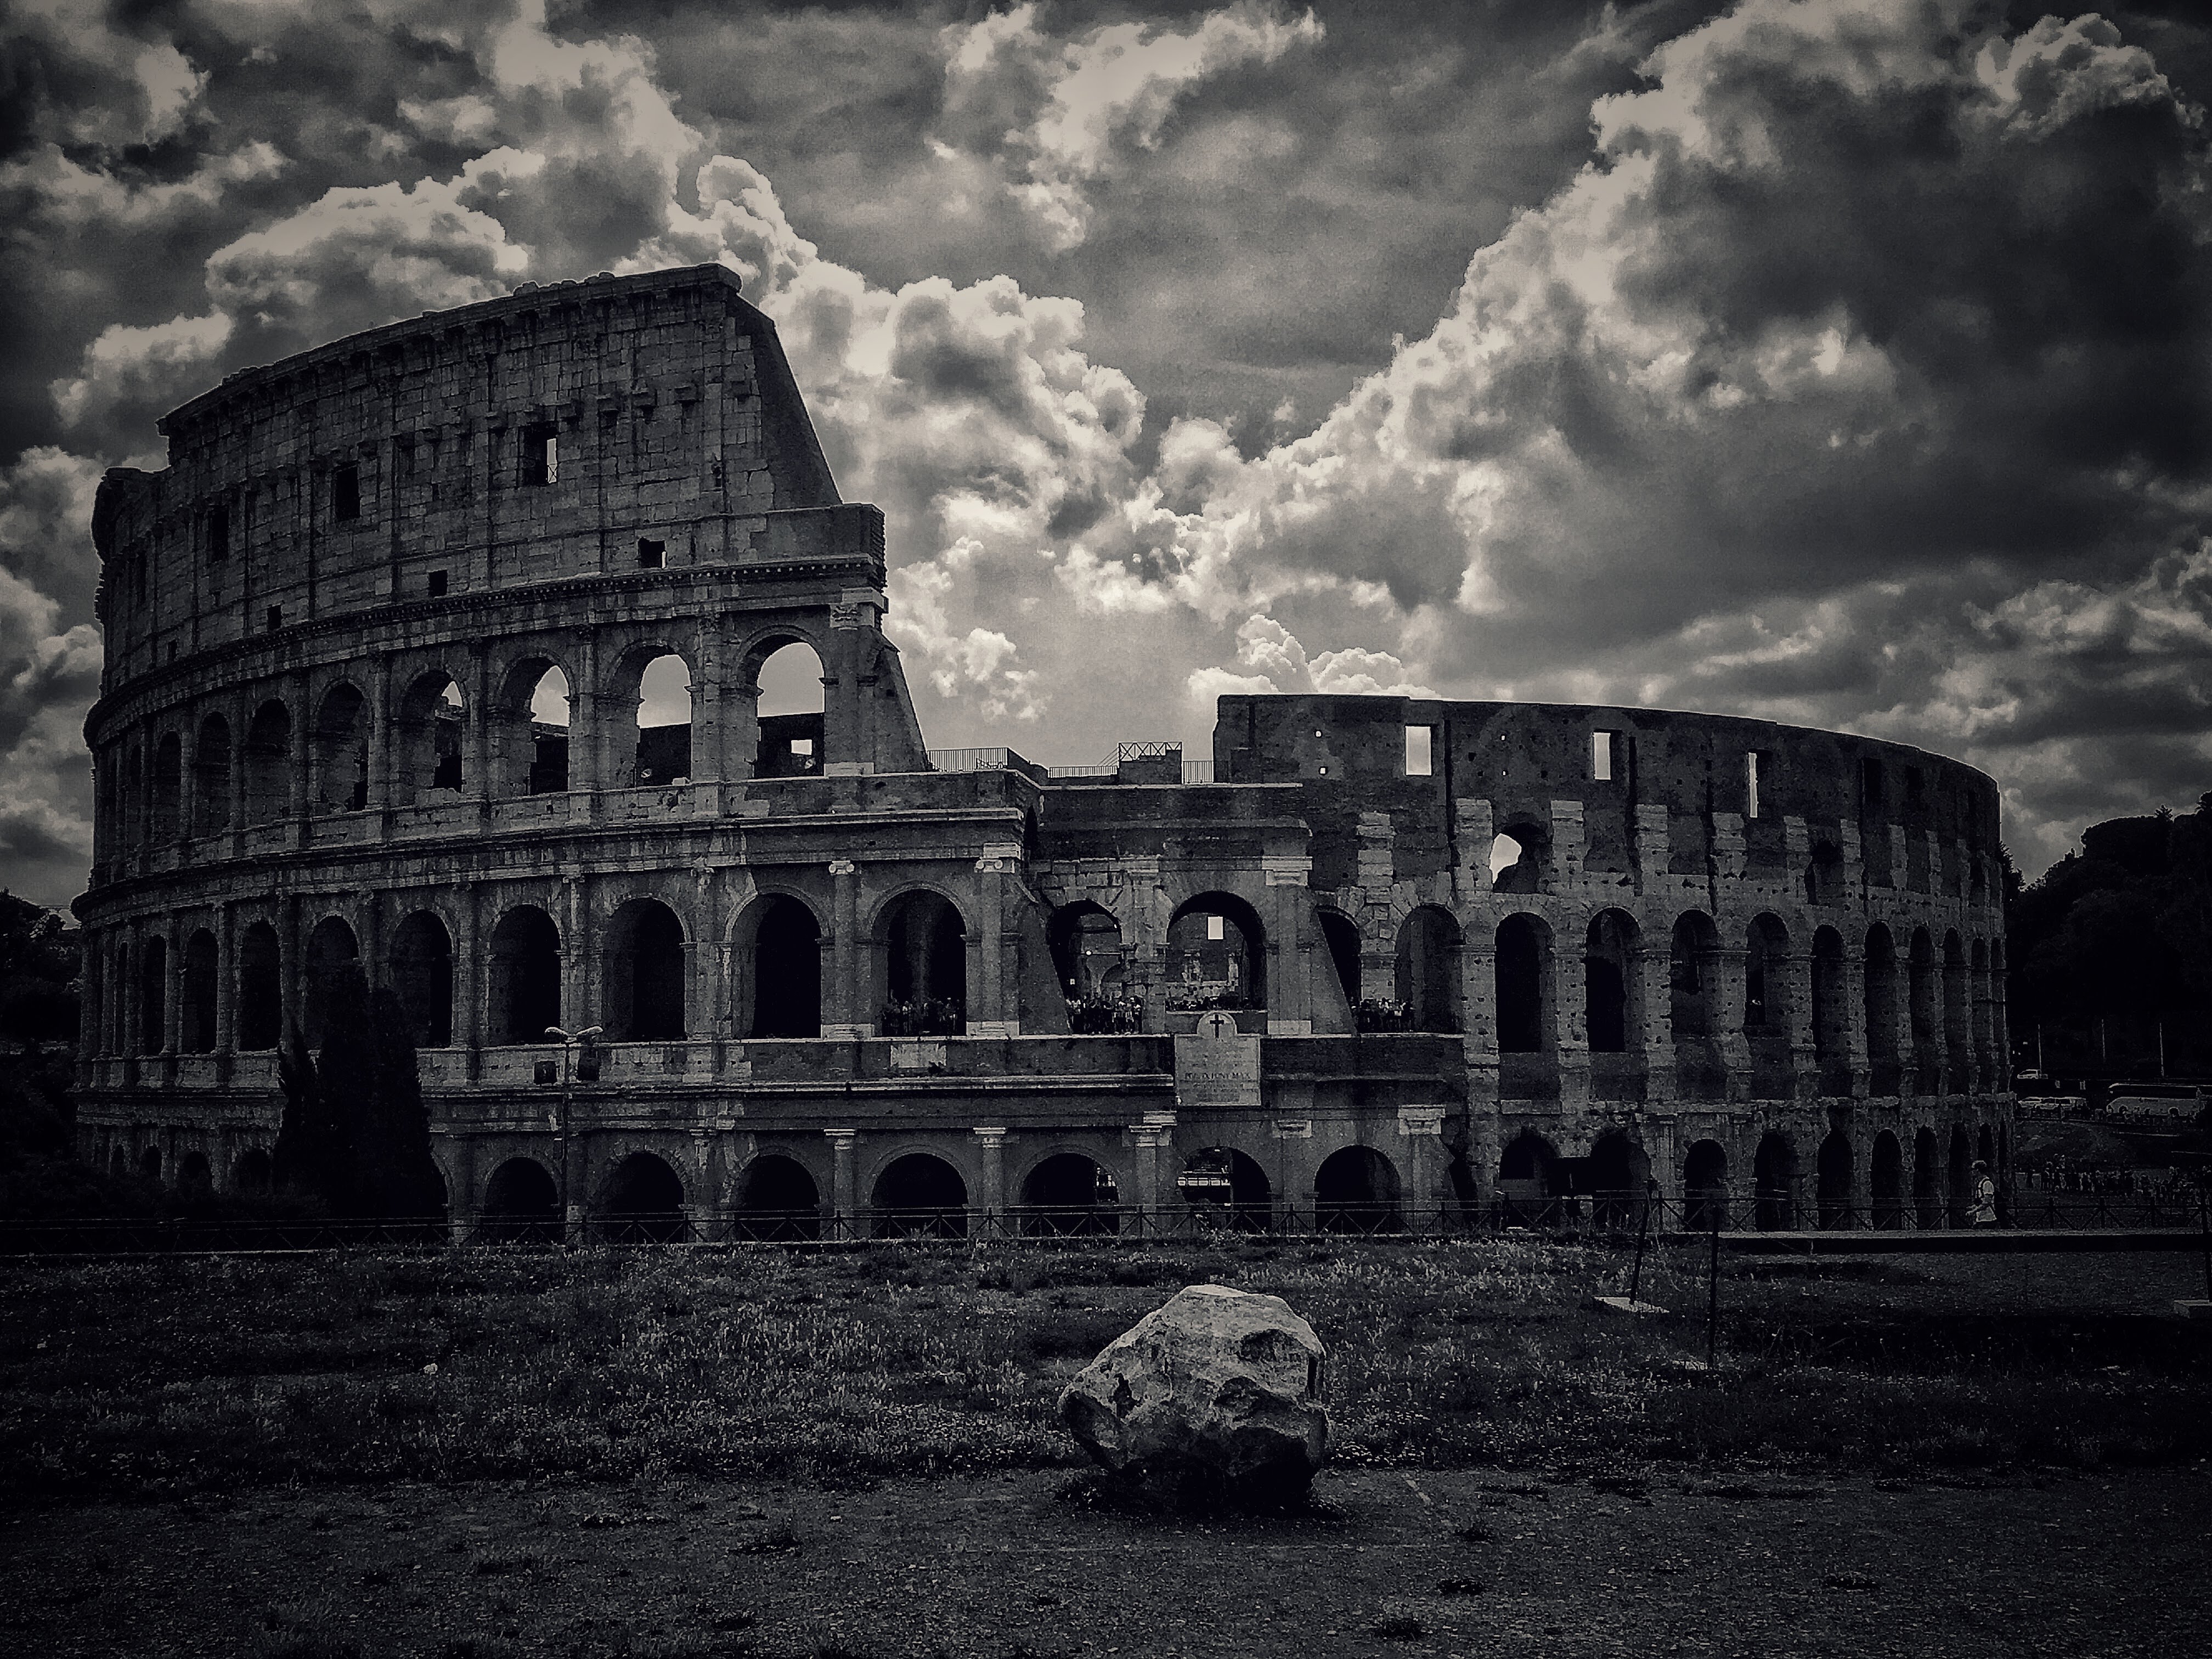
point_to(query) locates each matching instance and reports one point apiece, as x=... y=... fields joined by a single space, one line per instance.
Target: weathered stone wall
x=316 y=743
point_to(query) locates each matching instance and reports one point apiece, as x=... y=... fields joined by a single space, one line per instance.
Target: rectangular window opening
x=650 y=555
x=541 y=456
x=1213 y=927
x=218 y=530
x=345 y=493
x=802 y=746
x=1752 y=759
x=276 y=617
x=1601 y=757
x=1421 y=743
x=437 y=583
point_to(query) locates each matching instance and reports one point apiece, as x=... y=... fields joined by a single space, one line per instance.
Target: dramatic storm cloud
x=1841 y=360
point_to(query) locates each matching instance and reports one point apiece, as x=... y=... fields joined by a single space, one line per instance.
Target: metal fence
x=1595 y=1218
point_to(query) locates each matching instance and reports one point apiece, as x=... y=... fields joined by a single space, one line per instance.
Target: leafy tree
x=356 y=1134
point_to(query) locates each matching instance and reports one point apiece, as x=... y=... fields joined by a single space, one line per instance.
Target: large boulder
x=1217 y=1396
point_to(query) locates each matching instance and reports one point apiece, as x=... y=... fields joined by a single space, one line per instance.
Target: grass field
x=163 y=1377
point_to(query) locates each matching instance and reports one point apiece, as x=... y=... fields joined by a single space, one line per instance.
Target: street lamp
x=578 y=1045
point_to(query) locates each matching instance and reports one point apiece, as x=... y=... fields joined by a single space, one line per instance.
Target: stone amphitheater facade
x=1385 y=961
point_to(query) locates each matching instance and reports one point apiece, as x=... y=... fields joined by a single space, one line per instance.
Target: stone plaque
x=1215 y=1069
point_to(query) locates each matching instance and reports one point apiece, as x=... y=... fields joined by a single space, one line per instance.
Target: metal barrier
x=1598 y=1217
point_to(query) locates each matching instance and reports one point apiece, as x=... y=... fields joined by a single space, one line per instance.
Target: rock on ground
x=1218 y=1395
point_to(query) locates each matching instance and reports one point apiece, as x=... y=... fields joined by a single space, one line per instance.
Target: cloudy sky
x=1843 y=361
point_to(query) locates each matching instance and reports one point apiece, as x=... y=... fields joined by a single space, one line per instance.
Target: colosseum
x=525 y=654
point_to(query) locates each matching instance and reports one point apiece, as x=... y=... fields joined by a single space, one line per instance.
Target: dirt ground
x=1032 y=1564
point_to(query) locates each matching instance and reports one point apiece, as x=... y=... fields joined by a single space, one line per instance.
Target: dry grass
x=167 y=1376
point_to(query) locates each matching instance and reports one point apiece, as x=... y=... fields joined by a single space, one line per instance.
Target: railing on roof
x=1004 y=760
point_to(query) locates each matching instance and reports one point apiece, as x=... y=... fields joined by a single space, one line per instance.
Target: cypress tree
x=306 y=1159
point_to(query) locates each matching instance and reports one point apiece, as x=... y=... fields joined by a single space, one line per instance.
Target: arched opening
x=1529 y=1184
x=1222 y=1182
x=1085 y=942
x=777 y=1199
x=1774 y=1183
x=1885 y=1182
x=1927 y=1179
x=1517 y=855
x=663 y=723
x=790 y=710
x=1985 y=1147
x=1881 y=1007
x=260 y=988
x=1428 y=969
x=152 y=996
x=338 y=756
x=1609 y=985
x=1216 y=954
x=1766 y=1009
x=1356 y=1191
x=211 y=777
x=925 y=951
x=1693 y=984
x=643 y=1203
x=423 y=976
x=1926 y=993
x=250 y=1173
x=331 y=948
x=432 y=721
x=194 y=1173
x=1962 y=1177
x=149 y=1164
x=529 y=723
x=643 y=983
x=1341 y=935
x=1832 y=1013
x=1832 y=1170
x=1957 y=1021
x=526 y=976
x=786 y=971
x=269 y=764
x=1620 y=1181
x=198 y=1010
x=1522 y=969
x=1070 y=1193
x=168 y=787
x=919 y=1196
x=521 y=1204
x=1704 y=1186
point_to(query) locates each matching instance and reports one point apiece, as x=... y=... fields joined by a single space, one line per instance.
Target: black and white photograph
x=1035 y=829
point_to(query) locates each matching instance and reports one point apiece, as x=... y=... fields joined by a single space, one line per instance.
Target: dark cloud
x=1829 y=361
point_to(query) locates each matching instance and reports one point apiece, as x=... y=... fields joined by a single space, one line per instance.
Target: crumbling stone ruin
x=440 y=648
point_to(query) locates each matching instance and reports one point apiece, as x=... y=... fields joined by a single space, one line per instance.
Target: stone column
x=1796 y=971
x=589 y=761
x=1654 y=833
x=468 y=979
x=477 y=759
x=1727 y=989
x=578 y=993
x=1569 y=844
x=847 y=1010
x=1571 y=1018
x=1421 y=1200
x=1290 y=1009
x=381 y=759
x=1150 y=1141
x=707 y=703
x=1478 y=1001
x=1654 y=968
x=844 y=1197
x=303 y=754
x=172 y=985
x=289 y=969
x=699 y=1210
x=994 y=995
x=1855 y=1033
x=991 y=1145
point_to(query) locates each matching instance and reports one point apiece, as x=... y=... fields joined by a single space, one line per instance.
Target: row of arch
x=1930 y=1006
x=646 y=972
x=200 y=779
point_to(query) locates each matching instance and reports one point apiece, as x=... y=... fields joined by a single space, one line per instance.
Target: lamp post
x=575 y=1050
